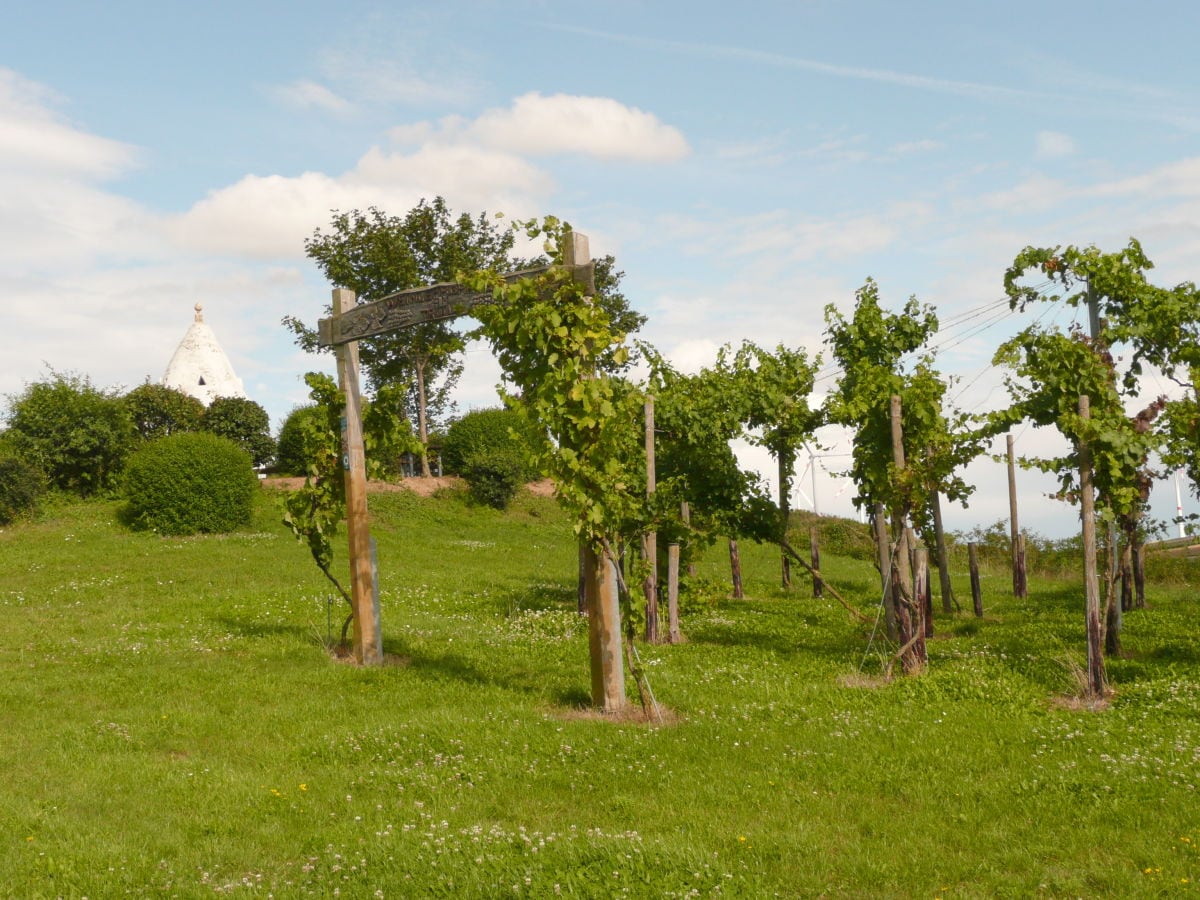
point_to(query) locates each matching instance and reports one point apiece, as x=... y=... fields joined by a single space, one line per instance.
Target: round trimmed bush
x=189 y=483
x=21 y=484
x=494 y=475
x=485 y=430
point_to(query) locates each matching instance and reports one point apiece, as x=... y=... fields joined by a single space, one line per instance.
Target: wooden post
x=943 y=555
x=673 y=633
x=1112 y=608
x=921 y=593
x=976 y=593
x=814 y=551
x=604 y=632
x=1127 y=576
x=883 y=547
x=368 y=645
x=650 y=538
x=735 y=568
x=909 y=626
x=1139 y=572
x=1095 y=659
x=785 y=562
x=1020 y=584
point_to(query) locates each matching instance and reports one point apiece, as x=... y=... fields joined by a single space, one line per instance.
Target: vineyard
x=173 y=726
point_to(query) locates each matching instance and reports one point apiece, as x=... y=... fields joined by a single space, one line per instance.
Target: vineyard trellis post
x=1019 y=577
x=1087 y=500
x=650 y=538
x=909 y=613
x=368 y=641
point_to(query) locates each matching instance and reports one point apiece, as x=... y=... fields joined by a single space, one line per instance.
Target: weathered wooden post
x=368 y=644
x=976 y=593
x=650 y=538
x=921 y=593
x=673 y=634
x=814 y=550
x=1020 y=582
x=604 y=631
x=943 y=554
x=1095 y=658
x=909 y=615
x=735 y=569
x=884 y=549
x=785 y=513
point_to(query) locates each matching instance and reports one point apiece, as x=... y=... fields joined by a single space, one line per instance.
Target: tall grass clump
x=189 y=483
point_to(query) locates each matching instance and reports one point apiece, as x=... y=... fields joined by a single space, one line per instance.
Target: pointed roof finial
x=199 y=312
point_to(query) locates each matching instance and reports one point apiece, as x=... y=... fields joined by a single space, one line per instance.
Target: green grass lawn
x=172 y=726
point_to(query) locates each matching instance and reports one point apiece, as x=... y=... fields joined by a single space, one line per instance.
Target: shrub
x=158 y=410
x=484 y=430
x=21 y=485
x=78 y=435
x=290 y=458
x=244 y=422
x=189 y=483
x=494 y=475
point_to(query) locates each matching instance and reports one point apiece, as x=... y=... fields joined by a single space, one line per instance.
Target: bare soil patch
x=422 y=487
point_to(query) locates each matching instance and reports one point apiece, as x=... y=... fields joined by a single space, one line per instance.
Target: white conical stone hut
x=200 y=367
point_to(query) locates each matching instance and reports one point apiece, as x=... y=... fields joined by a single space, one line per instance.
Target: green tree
x=375 y=254
x=158 y=411
x=883 y=355
x=290 y=456
x=1158 y=326
x=245 y=423
x=75 y=433
x=775 y=387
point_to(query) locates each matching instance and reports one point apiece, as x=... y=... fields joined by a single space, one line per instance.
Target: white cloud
x=305 y=94
x=1053 y=145
x=37 y=140
x=475 y=164
x=538 y=125
x=270 y=216
x=591 y=126
x=1177 y=179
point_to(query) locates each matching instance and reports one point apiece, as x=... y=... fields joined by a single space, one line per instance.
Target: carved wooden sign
x=435 y=303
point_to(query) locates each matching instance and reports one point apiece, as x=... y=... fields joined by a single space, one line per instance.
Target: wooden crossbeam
x=435 y=303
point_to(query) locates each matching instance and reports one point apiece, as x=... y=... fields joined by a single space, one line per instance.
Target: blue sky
x=747 y=165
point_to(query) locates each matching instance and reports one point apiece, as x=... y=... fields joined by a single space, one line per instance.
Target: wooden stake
x=650 y=538
x=921 y=593
x=368 y=645
x=883 y=548
x=908 y=613
x=604 y=631
x=1020 y=582
x=976 y=593
x=943 y=555
x=785 y=564
x=673 y=634
x=735 y=568
x=814 y=551
x=1095 y=658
